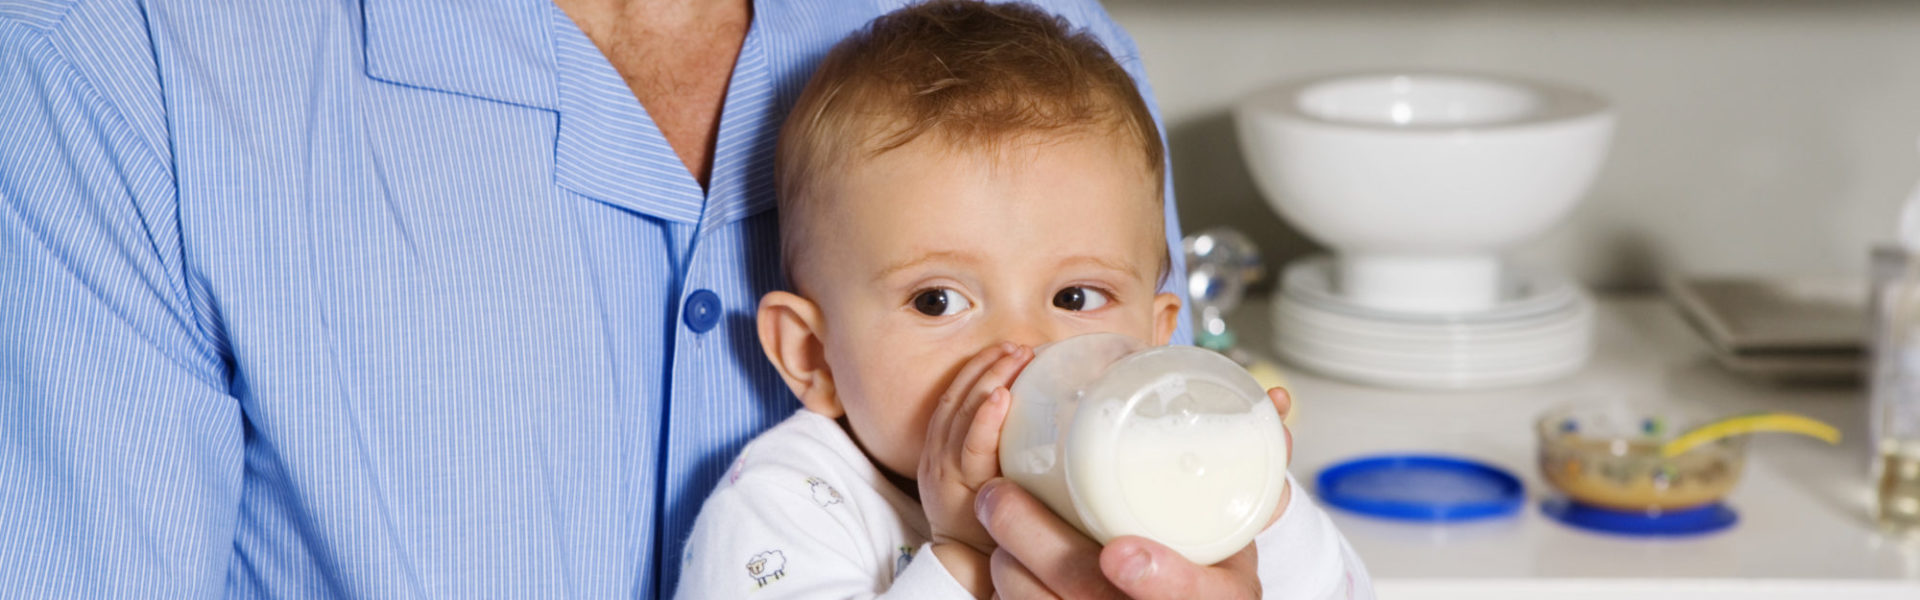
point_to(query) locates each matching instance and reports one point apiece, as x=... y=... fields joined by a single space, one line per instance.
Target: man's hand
x=1041 y=556
x=962 y=452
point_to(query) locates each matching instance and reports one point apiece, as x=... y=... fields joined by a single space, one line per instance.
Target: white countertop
x=1804 y=526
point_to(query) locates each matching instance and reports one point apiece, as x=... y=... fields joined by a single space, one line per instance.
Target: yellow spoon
x=1745 y=424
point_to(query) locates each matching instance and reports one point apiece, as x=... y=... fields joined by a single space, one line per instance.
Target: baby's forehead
x=1018 y=146
x=1097 y=161
x=1081 y=191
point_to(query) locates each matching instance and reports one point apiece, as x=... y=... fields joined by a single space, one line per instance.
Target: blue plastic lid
x=1418 y=487
x=1692 y=521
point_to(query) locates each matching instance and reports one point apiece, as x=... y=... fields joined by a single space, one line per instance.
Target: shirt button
x=702 y=310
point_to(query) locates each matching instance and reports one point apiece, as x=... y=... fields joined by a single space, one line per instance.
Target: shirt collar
x=526 y=52
x=494 y=49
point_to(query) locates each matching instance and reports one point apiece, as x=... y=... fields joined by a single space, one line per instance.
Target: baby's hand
x=963 y=451
x=1283 y=403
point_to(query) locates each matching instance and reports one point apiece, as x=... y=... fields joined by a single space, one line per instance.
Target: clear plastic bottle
x=1173 y=443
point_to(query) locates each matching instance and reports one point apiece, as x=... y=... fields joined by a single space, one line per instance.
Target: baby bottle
x=1172 y=443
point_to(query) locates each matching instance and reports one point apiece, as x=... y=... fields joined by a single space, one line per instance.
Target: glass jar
x=1894 y=401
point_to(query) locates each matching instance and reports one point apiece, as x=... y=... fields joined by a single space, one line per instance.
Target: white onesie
x=804 y=514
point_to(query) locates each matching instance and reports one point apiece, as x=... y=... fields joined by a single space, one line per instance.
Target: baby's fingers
x=996 y=379
x=1001 y=374
x=1282 y=400
x=974 y=370
x=950 y=412
x=980 y=454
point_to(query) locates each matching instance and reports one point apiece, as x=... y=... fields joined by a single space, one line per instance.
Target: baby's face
x=929 y=255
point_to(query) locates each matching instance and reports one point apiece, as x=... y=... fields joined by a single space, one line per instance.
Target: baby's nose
x=1028 y=331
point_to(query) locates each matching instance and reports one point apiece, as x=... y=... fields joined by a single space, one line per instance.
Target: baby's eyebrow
x=1100 y=261
x=942 y=255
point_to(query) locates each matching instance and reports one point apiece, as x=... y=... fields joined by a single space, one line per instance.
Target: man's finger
x=1057 y=555
x=1145 y=570
x=1013 y=581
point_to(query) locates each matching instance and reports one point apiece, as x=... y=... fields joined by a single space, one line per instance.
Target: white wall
x=1755 y=137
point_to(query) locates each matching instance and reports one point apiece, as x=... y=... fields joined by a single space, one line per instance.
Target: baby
x=958 y=183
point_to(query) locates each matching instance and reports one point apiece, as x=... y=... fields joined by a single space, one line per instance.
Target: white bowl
x=1418 y=180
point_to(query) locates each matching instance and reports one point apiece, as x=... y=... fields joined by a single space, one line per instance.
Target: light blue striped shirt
x=381 y=299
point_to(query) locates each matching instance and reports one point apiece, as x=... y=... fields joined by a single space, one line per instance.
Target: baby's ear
x=1166 y=317
x=790 y=329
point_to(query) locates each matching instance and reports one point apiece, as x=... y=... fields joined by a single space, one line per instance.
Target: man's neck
x=650 y=14
x=676 y=57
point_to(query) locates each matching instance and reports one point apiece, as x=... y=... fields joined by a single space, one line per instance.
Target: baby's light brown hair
x=980 y=77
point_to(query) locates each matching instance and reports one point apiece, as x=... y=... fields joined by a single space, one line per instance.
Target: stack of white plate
x=1541 y=330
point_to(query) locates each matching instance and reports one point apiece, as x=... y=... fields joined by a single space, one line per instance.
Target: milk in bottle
x=1173 y=443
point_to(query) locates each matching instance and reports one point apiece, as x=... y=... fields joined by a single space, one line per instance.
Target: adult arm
x=120 y=452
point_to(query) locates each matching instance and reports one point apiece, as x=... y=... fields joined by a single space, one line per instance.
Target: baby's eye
x=940 y=302
x=1079 y=298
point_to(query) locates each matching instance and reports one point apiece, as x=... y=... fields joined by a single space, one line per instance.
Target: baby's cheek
x=895 y=447
x=911 y=408
x=1134 y=320
x=915 y=426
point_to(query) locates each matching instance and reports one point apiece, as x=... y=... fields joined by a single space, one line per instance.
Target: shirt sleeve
x=1304 y=556
x=120 y=452
x=762 y=537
